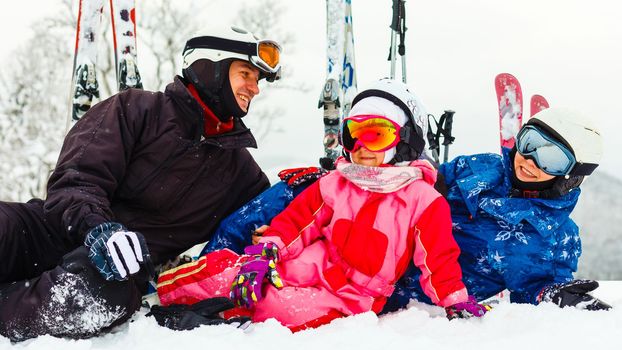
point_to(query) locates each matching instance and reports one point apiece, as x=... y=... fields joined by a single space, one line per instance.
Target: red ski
x=84 y=85
x=510 y=102
x=123 y=19
x=538 y=103
x=85 y=88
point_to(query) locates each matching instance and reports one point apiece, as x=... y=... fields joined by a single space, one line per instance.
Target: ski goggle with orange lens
x=376 y=133
x=264 y=54
x=268 y=55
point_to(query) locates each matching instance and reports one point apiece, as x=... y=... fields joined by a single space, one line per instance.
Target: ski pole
x=398 y=27
x=433 y=138
x=447 y=120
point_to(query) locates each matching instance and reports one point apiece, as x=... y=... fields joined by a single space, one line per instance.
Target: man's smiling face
x=243 y=78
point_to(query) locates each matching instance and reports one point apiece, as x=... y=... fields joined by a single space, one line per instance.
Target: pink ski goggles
x=375 y=133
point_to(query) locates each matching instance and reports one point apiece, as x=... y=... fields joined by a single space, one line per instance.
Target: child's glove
x=206 y=312
x=467 y=309
x=574 y=293
x=118 y=253
x=298 y=176
x=246 y=287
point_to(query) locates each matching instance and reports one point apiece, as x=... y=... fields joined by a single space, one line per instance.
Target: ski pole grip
x=448 y=125
x=395 y=20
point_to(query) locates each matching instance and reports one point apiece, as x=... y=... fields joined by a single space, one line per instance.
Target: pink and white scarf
x=379 y=179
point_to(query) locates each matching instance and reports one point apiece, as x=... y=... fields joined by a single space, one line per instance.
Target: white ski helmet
x=412 y=142
x=577 y=132
x=234 y=43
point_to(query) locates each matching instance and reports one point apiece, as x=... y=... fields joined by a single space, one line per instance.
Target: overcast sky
x=570 y=51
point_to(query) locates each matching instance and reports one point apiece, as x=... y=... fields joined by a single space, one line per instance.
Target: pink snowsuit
x=341 y=250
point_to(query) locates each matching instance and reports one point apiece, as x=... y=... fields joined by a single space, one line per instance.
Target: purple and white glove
x=261 y=266
x=467 y=309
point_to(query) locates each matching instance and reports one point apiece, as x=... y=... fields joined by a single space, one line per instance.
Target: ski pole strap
x=443 y=127
x=433 y=138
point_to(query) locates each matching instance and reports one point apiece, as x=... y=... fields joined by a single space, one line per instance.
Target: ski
x=510 y=103
x=340 y=86
x=123 y=19
x=348 y=73
x=538 y=103
x=84 y=86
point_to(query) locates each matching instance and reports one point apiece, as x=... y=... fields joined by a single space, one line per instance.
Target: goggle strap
x=404 y=133
x=583 y=169
x=210 y=42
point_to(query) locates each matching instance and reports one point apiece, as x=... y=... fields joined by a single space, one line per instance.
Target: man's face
x=526 y=170
x=243 y=78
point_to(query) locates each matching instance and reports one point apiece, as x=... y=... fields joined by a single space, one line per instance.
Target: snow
x=438 y=52
x=507 y=326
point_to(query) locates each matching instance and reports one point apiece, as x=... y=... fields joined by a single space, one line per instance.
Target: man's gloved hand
x=298 y=176
x=467 y=309
x=246 y=287
x=574 y=293
x=206 y=312
x=118 y=253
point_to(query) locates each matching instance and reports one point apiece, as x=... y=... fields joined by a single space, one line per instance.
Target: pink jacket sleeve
x=436 y=254
x=300 y=224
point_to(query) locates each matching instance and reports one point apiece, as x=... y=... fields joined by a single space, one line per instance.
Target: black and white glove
x=574 y=293
x=118 y=253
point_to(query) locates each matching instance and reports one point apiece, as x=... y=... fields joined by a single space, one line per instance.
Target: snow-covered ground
x=507 y=326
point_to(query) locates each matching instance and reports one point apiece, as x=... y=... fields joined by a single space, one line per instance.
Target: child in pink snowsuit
x=339 y=247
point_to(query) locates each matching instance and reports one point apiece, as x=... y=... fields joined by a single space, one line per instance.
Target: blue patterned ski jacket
x=519 y=244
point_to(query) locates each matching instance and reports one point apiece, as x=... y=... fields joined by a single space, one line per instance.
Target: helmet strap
x=230 y=104
x=212 y=82
x=208 y=96
x=551 y=189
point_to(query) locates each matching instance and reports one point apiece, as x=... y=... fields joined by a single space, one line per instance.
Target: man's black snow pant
x=48 y=285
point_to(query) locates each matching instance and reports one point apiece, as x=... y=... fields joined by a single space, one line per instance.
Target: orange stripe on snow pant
x=169 y=276
x=209 y=265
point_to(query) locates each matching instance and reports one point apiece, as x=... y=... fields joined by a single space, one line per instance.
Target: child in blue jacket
x=511 y=219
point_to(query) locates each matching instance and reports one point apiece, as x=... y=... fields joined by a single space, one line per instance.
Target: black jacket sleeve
x=91 y=164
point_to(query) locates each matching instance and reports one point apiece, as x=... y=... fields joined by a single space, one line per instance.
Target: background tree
x=35 y=83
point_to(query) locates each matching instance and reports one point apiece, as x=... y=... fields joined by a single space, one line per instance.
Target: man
x=141 y=177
